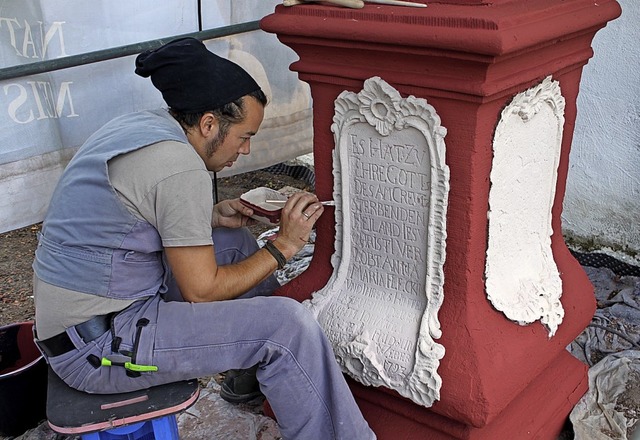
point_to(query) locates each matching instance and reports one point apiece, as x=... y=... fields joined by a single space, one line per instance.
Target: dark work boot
x=240 y=386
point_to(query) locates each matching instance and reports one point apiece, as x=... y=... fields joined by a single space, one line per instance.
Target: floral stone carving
x=522 y=279
x=391 y=184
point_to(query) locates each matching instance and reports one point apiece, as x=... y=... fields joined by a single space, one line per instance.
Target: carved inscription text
x=380 y=307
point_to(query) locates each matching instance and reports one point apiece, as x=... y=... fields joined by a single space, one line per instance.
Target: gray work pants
x=297 y=370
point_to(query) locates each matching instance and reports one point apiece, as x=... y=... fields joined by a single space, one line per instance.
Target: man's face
x=223 y=151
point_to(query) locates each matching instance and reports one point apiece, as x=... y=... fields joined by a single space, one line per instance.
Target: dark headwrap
x=191 y=78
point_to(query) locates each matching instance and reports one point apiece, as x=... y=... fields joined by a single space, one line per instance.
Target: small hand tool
x=283 y=202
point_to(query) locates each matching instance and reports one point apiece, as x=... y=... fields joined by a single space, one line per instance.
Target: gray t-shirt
x=165 y=184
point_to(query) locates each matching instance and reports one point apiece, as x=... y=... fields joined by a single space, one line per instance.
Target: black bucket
x=23 y=380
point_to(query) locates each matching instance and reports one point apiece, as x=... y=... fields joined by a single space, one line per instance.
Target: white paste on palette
x=522 y=279
x=391 y=184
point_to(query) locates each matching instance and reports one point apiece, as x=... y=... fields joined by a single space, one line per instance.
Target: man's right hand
x=201 y=279
x=297 y=219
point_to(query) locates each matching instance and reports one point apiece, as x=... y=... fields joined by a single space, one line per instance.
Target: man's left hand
x=231 y=214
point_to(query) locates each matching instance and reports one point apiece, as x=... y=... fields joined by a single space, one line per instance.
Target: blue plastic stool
x=164 y=428
x=139 y=415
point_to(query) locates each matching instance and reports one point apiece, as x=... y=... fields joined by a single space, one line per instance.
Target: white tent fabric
x=44 y=118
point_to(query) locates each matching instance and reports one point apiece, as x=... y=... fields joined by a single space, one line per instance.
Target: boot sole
x=232 y=397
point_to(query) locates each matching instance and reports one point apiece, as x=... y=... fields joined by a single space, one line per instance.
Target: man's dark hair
x=227 y=115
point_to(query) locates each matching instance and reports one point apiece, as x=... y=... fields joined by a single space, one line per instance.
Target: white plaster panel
x=380 y=306
x=522 y=279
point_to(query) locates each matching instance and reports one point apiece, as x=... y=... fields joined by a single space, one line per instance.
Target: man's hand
x=298 y=217
x=201 y=279
x=231 y=214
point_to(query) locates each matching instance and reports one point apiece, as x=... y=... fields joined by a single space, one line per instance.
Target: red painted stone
x=468 y=59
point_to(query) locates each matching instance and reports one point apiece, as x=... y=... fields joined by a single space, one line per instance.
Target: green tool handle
x=128 y=365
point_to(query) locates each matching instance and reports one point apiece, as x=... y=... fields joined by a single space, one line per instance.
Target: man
x=130 y=227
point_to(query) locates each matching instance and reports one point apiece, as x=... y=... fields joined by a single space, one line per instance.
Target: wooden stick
x=354 y=4
x=397 y=3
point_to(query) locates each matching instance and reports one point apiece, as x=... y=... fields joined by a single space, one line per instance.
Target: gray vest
x=90 y=242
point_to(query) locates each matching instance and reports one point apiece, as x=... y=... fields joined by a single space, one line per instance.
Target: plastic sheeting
x=44 y=118
x=611 y=347
x=609 y=410
x=296 y=265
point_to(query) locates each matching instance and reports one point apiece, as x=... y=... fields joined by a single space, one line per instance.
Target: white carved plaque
x=380 y=306
x=522 y=279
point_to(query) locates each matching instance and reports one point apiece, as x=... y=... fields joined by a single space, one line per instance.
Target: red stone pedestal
x=500 y=380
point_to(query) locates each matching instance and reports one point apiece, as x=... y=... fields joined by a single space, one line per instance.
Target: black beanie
x=191 y=78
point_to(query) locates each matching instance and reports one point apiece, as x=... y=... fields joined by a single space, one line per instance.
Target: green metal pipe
x=120 y=51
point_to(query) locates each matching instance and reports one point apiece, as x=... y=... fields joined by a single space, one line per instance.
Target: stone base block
x=539 y=412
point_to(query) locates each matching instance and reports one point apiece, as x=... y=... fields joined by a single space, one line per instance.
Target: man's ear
x=208 y=125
